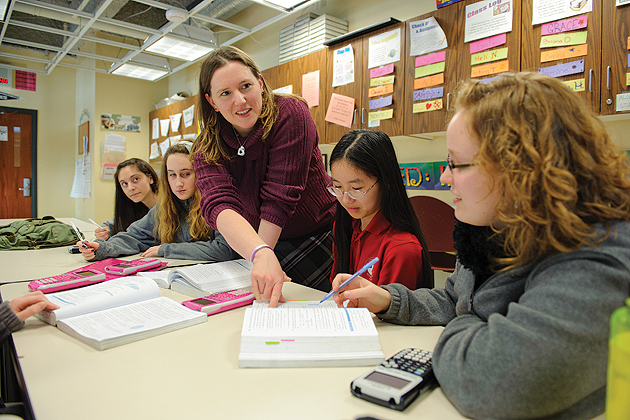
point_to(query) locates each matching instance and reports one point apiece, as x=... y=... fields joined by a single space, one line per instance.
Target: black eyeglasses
x=452 y=165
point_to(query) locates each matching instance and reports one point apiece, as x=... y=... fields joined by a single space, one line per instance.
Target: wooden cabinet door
x=531 y=52
x=291 y=73
x=394 y=125
x=334 y=132
x=615 y=41
x=433 y=121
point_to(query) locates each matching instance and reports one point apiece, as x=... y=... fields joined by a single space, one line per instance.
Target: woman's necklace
x=241 y=149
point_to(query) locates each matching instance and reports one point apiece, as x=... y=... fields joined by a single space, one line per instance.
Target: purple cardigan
x=282 y=180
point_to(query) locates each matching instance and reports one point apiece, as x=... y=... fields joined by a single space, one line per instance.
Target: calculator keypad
x=414 y=361
x=225 y=296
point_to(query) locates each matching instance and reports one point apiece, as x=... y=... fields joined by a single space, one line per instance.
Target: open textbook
x=307 y=334
x=118 y=312
x=204 y=279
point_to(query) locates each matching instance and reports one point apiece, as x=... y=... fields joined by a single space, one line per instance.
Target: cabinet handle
x=590 y=80
x=362 y=114
x=354 y=120
x=448 y=101
x=608 y=77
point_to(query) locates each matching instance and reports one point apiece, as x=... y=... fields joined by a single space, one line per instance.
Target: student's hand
x=361 y=293
x=268 y=277
x=30 y=304
x=151 y=252
x=102 y=233
x=88 y=253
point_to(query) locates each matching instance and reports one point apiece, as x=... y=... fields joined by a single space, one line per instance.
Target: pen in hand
x=349 y=279
x=96 y=224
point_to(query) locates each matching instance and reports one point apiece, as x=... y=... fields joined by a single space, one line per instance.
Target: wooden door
x=17 y=163
x=392 y=126
x=615 y=43
x=433 y=121
x=531 y=52
x=334 y=132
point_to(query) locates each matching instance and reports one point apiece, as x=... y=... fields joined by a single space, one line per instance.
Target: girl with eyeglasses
x=374 y=216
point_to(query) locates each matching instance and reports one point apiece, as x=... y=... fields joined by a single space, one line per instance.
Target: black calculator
x=398 y=381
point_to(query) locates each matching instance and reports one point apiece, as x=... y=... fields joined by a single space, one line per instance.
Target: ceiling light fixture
x=144 y=66
x=185 y=42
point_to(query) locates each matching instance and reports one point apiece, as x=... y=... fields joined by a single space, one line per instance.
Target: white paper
x=114 y=143
x=343 y=66
x=175 y=119
x=4 y=133
x=622 y=102
x=155 y=150
x=81 y=183
x=284 y=89
x=426 y=36
x=622 y=2
x=155 y=129
x=164 y=146
x=549 y=10
x=384 y=49
x=164 y=124
x=484 y=20
x=189 y=115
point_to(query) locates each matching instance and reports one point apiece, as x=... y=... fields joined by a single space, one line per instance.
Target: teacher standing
x=261 y=175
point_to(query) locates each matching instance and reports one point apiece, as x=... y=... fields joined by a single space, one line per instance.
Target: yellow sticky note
x=380 y=81
x=427 y=106
x=563 y=39
x=492 y=68
x=576 y=85
x=423 y=82
x=381 y=90
x=488 y=56
x=381 y=115
x=561 y=53
x=430 y=69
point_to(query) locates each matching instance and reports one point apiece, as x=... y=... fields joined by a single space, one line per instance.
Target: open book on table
x=307 y=334
x=118 y=312
x=204 y=279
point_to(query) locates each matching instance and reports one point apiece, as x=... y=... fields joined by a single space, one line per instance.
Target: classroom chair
x=437 y=221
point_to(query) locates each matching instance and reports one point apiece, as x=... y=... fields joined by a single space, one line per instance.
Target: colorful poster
x=384 y=48
x=120 y=122
x=487 y=18
x=343 y=66
x=426 y=36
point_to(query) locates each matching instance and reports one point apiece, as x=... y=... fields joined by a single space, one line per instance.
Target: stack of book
x=308 y=34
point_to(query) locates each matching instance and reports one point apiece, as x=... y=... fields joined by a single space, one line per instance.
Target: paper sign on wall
x=310 y=88
x=340 y=110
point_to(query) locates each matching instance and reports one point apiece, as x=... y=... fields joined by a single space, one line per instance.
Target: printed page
x=297 y=304
x=139 y=318
x=227 y=275
x=160 y=277
x=111 y=293
x=318 y=321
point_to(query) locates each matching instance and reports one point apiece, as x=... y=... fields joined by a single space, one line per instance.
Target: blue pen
x=76 y=230
x=349 y=279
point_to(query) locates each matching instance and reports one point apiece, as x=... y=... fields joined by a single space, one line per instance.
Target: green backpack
x=46 y=232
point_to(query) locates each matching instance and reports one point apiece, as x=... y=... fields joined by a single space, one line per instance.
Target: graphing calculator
x=397 y=381
x=133 y=266
x=219 y=302
x=71 y=280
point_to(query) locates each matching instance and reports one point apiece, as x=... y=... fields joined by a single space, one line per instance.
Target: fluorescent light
x=287 y=4
x=144 y=66
x=139 y=72
x=3 y=8
x=185 y=42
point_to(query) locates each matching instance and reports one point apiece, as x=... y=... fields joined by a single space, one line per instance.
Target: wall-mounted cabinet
x=615 y=50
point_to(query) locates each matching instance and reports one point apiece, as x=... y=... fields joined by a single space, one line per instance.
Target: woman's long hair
x=170 y=207
x=125 y=210
x=560 y=173
x=373 y=153
x=209 y=140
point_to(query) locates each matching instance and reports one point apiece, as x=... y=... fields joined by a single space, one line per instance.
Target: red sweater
x=399 y=253
x=282 y=180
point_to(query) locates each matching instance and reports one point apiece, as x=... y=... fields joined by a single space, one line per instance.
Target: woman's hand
x=361 y=293
x=30 y=304
x=88 y=253
x=102 y=233
x=268 y=277
x=151 y=252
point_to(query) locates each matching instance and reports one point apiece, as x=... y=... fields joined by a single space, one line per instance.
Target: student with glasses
x=542 y=198
x=374 y=216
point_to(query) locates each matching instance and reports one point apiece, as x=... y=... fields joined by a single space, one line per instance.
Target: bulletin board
x=84 y=131
x=165 y=113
